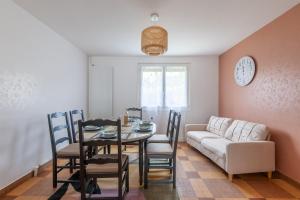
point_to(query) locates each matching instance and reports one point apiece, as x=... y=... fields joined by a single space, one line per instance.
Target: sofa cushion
x=199 y=135
x=218 y=125
x=243 y=131
x=216 y=145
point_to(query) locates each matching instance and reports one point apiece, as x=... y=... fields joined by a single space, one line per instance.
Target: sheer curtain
x=152 y=86
x=176 y=86
x=163 y=87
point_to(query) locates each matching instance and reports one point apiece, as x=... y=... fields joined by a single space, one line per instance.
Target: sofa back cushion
x=243 y=131
x=218 y=125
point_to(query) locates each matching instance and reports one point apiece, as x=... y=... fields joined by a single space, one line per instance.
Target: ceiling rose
x=154 y=38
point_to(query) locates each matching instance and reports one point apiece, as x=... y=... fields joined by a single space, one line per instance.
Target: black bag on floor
x=60 y=192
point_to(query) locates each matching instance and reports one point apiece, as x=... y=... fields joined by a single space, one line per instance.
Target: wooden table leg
x=108 y=149
x=141 y=161
x=145 y=166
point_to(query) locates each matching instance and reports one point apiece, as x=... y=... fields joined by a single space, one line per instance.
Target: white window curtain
x=163 y=87
x=152 y=86
x=176 y=86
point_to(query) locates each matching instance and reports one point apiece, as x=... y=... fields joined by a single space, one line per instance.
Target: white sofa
x=236 y=146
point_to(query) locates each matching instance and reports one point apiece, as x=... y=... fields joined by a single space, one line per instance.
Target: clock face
x=244 y=71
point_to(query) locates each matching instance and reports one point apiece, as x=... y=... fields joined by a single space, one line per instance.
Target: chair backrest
x=135 y=113
x=170 y=119
x=75 y=116
x=89 y=143
x=175 y=131
x=62 y=124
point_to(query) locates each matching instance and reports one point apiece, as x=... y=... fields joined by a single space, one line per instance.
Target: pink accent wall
x=273 y=97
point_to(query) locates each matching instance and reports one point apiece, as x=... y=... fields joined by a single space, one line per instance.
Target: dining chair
x=103 y=165
x=135 y=113
x=159 y=152
x=60 y=134
x=75 y=116
x=163 y=138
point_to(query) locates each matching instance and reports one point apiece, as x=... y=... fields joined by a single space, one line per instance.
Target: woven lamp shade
x=154 y=41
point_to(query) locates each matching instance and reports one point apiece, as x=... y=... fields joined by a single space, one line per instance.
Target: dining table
x=131 y=134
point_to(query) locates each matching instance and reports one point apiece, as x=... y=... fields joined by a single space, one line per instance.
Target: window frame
x=164 y=67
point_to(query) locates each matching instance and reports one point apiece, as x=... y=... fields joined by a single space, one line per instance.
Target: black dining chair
x=60 y=134
x=157 y=153
x=163 y=138
x=135 y=113
x=103 y=165
x=75 y=116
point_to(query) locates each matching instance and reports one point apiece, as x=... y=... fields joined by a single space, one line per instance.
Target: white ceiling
x=195 y=27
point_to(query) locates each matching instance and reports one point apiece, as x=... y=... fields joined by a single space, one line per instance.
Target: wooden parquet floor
x=197 y=179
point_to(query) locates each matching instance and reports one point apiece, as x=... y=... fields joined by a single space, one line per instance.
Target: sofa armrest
x=195 y=127
x=250 y=157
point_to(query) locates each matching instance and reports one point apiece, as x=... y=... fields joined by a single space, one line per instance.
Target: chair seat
x=159 y=138
x=105 y=168
x=72 y=150
x=159 y=149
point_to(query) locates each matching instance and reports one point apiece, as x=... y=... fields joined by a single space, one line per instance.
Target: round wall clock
x=244 y=71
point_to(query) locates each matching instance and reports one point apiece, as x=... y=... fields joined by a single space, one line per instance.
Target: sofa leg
x=230 y=177
x=270 y=175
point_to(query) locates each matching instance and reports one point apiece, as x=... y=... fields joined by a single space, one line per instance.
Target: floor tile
x=222 y=188
x=185 y=189
x=192 y=174
x=287 y=187
x=268 y=189
x=8 y=197
x=32 y=198
x=24 y=186
x=212 y=175
x=246 y=189
x=187 y=166
x=200 y=188
x=182 y=157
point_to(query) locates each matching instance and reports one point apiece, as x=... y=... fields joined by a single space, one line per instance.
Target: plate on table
x=92 y=128
x=107 y=134
x=146 y=123
x=144 y=126
x=144 y=129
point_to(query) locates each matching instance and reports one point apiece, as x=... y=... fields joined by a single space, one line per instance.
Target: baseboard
x=14 y=184
x=21 y=180
x=287 y=179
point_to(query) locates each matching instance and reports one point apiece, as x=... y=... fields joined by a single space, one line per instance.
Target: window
x=164 y=85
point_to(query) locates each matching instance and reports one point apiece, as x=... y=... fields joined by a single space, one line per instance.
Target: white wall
x=203 y=85
x=40 y=72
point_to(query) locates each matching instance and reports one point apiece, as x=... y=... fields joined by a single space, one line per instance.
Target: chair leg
x=104 y=150
x=120 y=185
x=146 y=170
x=108 y=149
x=82 y=188
x=141 y=162
x=174 y=173
x=170 y=163
x=71 y=165
x=54 y=172
x=127 y=179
